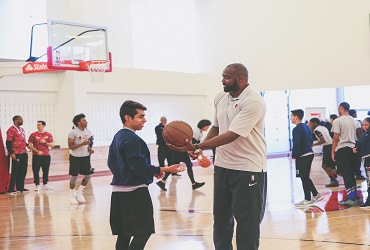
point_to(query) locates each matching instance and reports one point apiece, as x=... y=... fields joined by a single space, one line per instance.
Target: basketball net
x=96 y=68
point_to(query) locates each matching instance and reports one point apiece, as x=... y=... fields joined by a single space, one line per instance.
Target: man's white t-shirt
x=244 y=116
x=346 y=127
x=80 y=136
x=324 y=132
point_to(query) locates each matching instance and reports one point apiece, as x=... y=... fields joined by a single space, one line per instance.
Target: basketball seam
x=168 y=134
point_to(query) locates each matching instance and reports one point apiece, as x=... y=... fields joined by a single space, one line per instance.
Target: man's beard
x=19 y=123
x=231 y=88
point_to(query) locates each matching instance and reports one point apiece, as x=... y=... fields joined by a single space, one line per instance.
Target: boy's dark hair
x=333 y=116
x=298 y=112
x=352 y=112
x=42 y=122
x=203 y=123
x=315 y=120
x=77 y=119
x=130 y=108
x=345 y=106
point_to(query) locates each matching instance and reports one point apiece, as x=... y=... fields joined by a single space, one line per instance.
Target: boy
x=131 y=213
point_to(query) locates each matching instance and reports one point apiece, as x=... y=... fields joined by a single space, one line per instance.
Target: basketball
x=203 y=161
x=177 y=132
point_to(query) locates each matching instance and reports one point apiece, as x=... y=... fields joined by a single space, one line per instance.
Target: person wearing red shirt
x=16 y=146
x=39 y=143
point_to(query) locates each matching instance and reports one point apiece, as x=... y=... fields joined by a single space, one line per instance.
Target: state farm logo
x=34 y=67
x=28 y=67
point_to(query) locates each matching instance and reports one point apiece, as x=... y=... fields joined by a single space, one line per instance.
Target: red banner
x=4 y=170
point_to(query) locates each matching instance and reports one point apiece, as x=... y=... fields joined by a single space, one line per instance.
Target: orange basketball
x=203 y=161
x=177 y=132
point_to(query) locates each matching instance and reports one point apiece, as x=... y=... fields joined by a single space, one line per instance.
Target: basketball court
x=183 y=217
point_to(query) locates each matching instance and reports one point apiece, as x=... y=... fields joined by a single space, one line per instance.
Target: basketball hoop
x=96 y=68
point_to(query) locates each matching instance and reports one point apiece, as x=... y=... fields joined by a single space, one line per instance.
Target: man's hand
x=87 y=142
x=355 y=150
x=13 y=156
x=189 y=146
x=193 y=155
x=91 y=151
x=333 y=156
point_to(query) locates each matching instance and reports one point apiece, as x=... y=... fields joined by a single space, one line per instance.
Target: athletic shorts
x=79 y=165
x=303 y=166
x=327 y=160
x=131 y=213
x=346 y=161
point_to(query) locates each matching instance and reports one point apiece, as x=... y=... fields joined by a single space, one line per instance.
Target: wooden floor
x=183 y=218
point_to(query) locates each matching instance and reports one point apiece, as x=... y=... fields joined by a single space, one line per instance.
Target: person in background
x=362 y=148
x=303 y=154
x=17 y=150
x=359 y=131
x=324 y=139
x=39 y=142
x=164 y=152
x=329 y=124
x=79 y=140
x=345 y=130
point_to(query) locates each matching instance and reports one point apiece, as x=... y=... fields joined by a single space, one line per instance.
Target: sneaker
x=366 y=205
x=360 y=178
x=351 y=202
x=37 y=188
x=197 y=185
x=333 y=183
x=305 y=203
x=25 y=190
x=47 y=187
x=162 y=185
x=80 y=197
x=317 y=198
x=176 y=174
x=12 y=192
x=72 y=199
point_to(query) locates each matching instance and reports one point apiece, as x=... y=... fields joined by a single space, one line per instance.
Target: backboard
x=71 y=45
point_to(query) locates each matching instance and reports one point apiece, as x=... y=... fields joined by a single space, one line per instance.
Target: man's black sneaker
x=333 y=183
x=162 y=185
x=197 y=185
x=25 y=190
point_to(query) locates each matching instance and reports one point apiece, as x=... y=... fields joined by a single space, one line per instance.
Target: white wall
x=289 y=44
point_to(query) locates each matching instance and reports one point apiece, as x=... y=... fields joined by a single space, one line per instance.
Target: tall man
x=240 y=178
x=16 y=146
x=39 y=142
x=345 y=128
x=79 y=140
